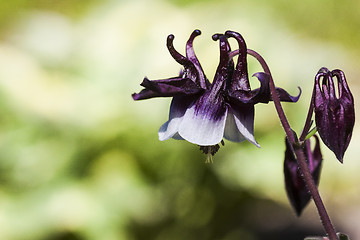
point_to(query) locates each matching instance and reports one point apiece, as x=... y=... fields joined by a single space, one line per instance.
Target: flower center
x=210 y=151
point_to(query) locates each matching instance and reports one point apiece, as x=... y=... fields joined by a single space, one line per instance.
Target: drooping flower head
x=204 y=113
x=295 y=186
x=334 y=112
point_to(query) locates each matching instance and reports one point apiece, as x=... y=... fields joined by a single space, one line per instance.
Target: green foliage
x=11 y=10
x=80 y=160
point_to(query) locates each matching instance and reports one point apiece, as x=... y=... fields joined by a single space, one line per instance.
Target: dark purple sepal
x=262 y=94
x=144 y=94
x=192 y=79
x=286 y=97
x=295 y=186
x=167 y=88
x=334 y=113
x=257 y=95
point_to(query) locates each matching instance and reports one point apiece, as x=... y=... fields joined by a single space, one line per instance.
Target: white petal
x=169 y=129
x=201 y=128
x=232 y=132
x=177 y=110
x=245 y=125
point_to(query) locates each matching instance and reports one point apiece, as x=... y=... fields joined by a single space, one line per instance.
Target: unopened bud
x=295 y=186
x=334 y=110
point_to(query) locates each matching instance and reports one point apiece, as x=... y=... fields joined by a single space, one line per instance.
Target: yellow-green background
x=80 y=160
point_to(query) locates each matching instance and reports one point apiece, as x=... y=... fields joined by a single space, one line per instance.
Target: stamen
x=209 y=158
x=210 y=151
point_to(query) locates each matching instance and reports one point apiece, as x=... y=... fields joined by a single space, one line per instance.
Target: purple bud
x=334 y=110
x=295 y=186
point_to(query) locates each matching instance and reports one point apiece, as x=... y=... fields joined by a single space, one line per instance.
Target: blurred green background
x=80 y=160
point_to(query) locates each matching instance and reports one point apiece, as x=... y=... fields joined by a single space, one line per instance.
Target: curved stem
x=275 y=98
x=309 y=181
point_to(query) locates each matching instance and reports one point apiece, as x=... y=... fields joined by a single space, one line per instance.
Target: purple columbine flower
x=204 y=113
x=295 y=186
x=334 y=112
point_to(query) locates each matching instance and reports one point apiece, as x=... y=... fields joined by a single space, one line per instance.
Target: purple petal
x=295 y=186
x=172 y=86
x=177 y=110
x=314 y=159
x=190 y=54
x=240 y=79
x=262 y=94
x=286 y=97
x=204 y=122
x=319 y=97
x=240 y=125
x=167 y=88
x=145 y=94
x=344 y=90
x=191 y=71
x=222 y=71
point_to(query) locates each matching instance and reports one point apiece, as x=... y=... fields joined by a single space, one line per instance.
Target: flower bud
x=295 y=186
x=334 y=110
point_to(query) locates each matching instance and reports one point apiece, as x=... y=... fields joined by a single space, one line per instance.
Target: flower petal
x=144 y=94
x=296 y=190
x=204 y=122
x=177 y=110
x=295 y=186
x=169 y=128
x=240 y=125
x=240 y=79
x=344 y=90
x=190 y=54
x=315 y=159
x=262 y=94
x=286 y=97
x=172 y=86
x=232 y=132
x=191 y=71
x=167 y=88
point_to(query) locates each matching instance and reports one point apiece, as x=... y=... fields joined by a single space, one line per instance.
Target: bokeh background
x=80 y=160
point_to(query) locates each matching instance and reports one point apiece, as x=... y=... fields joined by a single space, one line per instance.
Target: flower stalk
x=310 y=183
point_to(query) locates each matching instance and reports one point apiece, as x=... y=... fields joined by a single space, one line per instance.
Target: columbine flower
x=334 y=115
x=204 y=113
x=295 y=186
